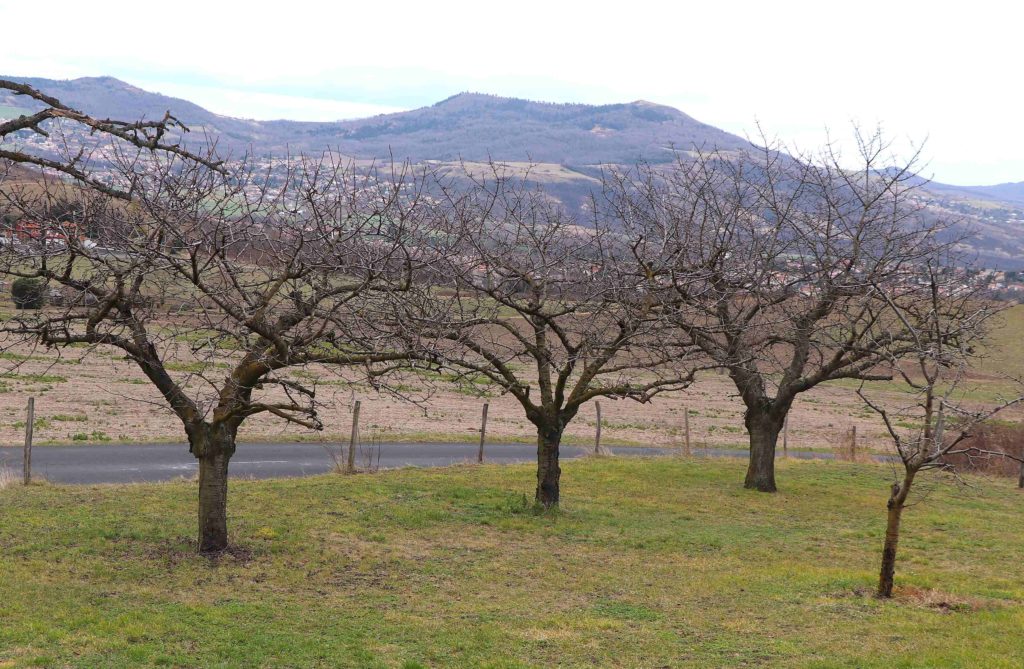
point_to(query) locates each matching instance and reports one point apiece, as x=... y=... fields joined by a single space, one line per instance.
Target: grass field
x=665 y=563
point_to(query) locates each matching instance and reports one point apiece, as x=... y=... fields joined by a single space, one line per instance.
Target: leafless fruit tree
x=66 y=154
x=782 y=268
x=946 y=329
x=217 y=284
x=553 y=312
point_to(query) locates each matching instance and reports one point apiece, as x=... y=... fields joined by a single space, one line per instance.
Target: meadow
x=649 y=563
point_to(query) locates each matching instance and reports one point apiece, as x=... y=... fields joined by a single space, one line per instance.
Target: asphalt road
x=131 y=463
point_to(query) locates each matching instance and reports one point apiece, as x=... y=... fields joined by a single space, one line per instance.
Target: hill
x=565 y=143
x=470 y=126
x=1008 y=192
x=474 y=127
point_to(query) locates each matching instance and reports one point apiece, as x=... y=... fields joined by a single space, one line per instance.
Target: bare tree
x=66 y=155
x=217 y=284
x=946 y=329
x=781 y=268
x=553 y=312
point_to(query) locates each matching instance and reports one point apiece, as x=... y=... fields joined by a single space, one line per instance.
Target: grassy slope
x=1001 y=362
x=651 y=564
x=1005 y=352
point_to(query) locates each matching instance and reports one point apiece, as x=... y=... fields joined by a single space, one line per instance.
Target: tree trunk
x=213 y=449
x=548 y=471
x=763 y=427
x=897 y=500
x=892 y=538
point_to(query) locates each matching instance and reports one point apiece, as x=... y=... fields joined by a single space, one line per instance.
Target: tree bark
x=763 y=426
x=892 y=538
x=548 y=471
x=897 y=500
x=213 y=448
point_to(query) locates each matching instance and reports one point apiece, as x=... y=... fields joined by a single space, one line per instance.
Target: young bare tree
x=553 y=312
x=216 y=285
x=946 y=329
x=781 y=268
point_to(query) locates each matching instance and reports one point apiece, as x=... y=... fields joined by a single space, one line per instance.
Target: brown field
x=97 y=396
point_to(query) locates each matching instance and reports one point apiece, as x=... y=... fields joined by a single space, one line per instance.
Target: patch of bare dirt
x=92 y=397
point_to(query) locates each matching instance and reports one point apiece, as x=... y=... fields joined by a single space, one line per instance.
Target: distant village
x=1000 y=284
x=1004 y=284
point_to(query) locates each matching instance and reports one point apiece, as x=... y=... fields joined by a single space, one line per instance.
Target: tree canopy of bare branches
x=217 y=284
x=946 y=329
x=533 y=303
x=780 y=268
x=77 y=161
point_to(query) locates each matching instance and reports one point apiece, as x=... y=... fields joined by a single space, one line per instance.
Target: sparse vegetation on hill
x=468 y=126
x=573 y=140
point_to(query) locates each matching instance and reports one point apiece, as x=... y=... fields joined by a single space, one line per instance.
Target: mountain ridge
x=467 y=125
x=570 y=141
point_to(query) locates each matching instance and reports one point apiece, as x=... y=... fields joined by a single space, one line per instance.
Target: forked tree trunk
x=549 y=473
x=763 y=426
x=897 y=501
x=213 y=449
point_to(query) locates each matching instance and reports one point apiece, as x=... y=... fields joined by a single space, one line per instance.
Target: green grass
x=70 y=418
x=194 y=367
x=1004 y=353
x=19 y=357
x=650 y=564
x=1001 y=361
x=988 y=391
x=38 y=424
x=95 y=435
x=35 y=378
x=470 y=435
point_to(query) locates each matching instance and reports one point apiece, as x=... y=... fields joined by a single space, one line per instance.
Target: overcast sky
x=944 y=74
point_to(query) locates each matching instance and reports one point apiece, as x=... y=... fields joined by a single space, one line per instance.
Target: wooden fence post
x=483 y=434
x=597 y=435
x=686 y=432
x=353 y=439
x=29 y=424
x=785 y=436
x=853 y=444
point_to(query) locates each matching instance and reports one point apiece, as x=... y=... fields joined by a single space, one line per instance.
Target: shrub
x=997 y=437
x=28 y=293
